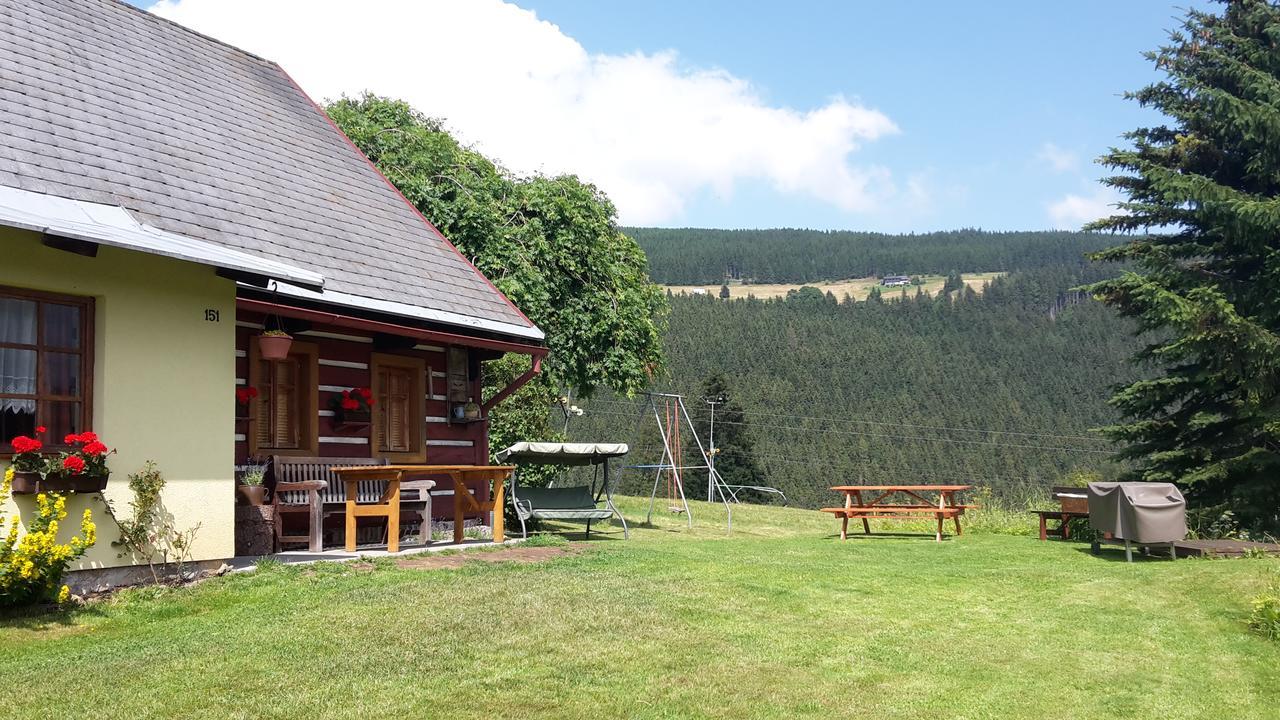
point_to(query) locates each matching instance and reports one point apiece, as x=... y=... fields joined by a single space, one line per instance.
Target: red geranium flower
x=73 y=463
x=367 y=393
x=41 y=430
x=350 y=404
x=88 y=436
x=71 y=440
x=95 y=448
x=24 y=444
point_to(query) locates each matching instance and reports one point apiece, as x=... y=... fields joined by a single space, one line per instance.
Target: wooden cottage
x=165 y=199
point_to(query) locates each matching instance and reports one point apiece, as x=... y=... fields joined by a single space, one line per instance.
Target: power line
x=921 y=438
x=1059 y=436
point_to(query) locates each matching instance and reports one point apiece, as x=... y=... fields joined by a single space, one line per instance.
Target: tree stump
x=255 y=530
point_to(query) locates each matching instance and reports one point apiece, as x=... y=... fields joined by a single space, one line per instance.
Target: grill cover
x=1142 y=512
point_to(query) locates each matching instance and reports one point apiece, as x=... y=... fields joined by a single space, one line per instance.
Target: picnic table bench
x=856 y=506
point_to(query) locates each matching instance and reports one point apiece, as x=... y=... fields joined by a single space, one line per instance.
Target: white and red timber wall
x=344 y=360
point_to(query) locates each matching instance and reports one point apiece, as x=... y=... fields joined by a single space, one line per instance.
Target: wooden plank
x=897 y=488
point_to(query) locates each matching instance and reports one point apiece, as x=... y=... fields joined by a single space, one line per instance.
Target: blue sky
x=990 y=113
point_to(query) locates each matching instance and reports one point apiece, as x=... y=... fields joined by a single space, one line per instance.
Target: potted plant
x=353 y=407
x=274 y=344
x=244 y=399
x=252 y=485
x=27 y=463
x=81 y=469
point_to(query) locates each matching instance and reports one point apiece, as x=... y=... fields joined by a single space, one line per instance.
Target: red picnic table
x=886 y=503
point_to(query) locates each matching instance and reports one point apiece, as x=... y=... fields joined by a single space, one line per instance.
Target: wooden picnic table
x=388 y=506
x=856 y=505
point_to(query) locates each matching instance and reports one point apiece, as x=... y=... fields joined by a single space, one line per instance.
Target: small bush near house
x=149 y=534
x=32 y=566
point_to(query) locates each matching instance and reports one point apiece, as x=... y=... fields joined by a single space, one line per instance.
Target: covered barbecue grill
x=1142 y=513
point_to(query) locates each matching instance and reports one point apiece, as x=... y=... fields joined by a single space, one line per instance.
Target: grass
x=779 y=620
x=858 y=288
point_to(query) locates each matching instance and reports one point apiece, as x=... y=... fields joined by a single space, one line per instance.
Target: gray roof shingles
x=104 y=103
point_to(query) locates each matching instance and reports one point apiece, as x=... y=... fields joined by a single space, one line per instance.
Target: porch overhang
x=338 y=319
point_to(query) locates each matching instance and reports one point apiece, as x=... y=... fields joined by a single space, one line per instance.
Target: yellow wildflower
x=64 y=594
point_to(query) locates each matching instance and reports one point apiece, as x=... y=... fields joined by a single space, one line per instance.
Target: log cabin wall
x=344 y=363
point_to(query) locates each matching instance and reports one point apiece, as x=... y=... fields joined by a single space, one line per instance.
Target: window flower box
x=25 y=482
x=353 y=407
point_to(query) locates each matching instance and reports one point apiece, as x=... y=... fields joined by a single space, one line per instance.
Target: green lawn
x=779 y=620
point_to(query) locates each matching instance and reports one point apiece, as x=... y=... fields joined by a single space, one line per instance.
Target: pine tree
x=1206 y=285
x=724 y=292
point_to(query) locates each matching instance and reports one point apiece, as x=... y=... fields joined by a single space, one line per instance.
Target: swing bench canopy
x=563 y=503
x=553 y=453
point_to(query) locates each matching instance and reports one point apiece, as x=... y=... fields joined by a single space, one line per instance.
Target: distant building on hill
x=699 y=291
x=895 y=280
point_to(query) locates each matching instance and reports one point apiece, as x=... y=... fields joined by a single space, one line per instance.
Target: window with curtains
x=399 y=410
x=285 y=419
x=46 y=364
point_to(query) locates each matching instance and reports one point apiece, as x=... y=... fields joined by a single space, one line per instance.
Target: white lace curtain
x=17 y=366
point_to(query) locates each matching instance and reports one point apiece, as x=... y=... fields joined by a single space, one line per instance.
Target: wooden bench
x=307 y=486
x=1073 y=503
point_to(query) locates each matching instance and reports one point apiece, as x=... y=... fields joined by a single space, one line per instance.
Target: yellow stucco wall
x=162 y=382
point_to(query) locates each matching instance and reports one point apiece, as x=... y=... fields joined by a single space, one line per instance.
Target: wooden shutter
x=285 y=420
x=399 y=412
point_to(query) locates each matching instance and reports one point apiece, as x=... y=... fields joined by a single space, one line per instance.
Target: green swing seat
x=578 y=502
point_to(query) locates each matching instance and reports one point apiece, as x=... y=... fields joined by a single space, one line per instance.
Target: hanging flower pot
x=274 y=344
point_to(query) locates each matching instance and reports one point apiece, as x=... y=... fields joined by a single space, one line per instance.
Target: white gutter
x=115 y=226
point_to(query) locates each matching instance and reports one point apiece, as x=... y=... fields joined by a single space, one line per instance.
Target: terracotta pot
x=25 y=482
x=74 y=483
x=274 y=347
x=255 y=494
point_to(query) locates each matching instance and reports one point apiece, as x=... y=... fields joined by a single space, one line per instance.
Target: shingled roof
x=105 y=103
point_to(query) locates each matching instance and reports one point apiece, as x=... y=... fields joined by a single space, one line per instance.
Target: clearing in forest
x=857 y=288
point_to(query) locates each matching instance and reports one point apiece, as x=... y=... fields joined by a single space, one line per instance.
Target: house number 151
x=211 y=315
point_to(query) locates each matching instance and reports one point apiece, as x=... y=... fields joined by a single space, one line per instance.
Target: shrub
x=149 y=533
x=1265 y=618
x=32 y=566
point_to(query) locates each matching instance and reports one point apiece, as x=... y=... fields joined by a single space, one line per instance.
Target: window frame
x=309 y=426
x=417 y=406
x=86 y=351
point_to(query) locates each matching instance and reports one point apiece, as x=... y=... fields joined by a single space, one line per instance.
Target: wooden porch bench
x=307 y=486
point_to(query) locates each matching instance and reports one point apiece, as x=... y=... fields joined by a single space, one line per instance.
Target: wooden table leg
x=498 y=509
x=1044 y=527
x=956 y=518
x=866 y=524
x=1066 y=527
x=351 y=522
x=938 y=536
x=393 y=516
x=459 y=487
x=844 y=528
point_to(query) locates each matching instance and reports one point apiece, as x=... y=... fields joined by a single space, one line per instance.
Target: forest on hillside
x=998 y=388
x=688 y=256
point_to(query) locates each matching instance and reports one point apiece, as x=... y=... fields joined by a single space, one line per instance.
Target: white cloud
x=1072 y=210
x=1058 y=159
x=648 y=130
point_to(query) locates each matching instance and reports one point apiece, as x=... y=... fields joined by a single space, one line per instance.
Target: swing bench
x=575 y=503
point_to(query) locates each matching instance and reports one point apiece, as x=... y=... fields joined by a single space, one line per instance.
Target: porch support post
x=514 y=386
